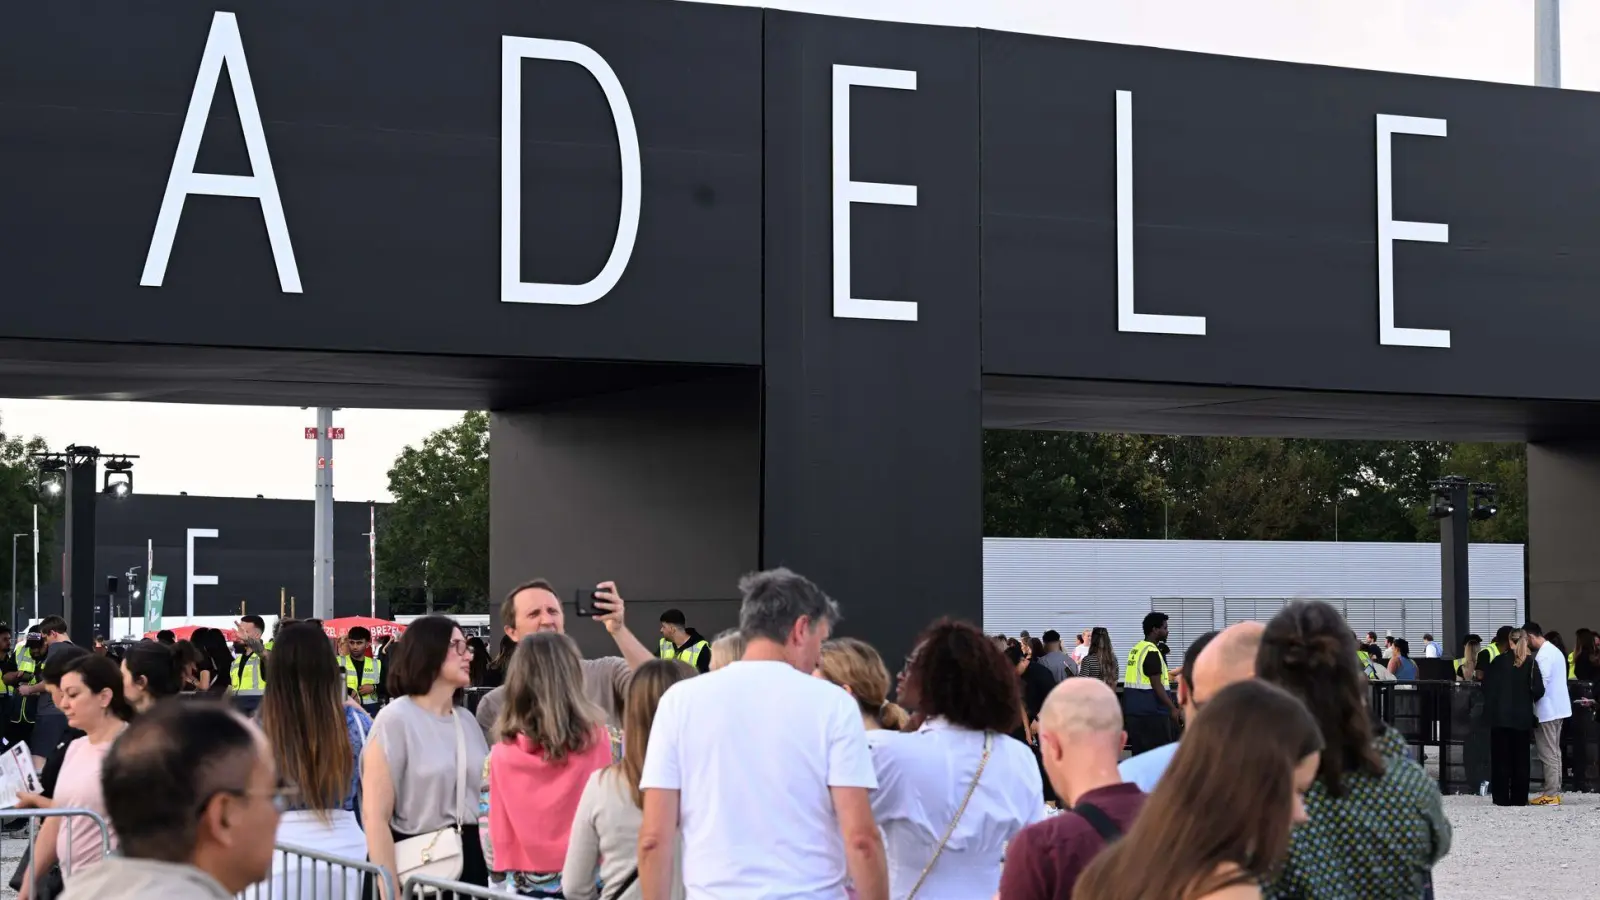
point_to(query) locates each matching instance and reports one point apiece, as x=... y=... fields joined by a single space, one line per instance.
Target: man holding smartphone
x=533 y=606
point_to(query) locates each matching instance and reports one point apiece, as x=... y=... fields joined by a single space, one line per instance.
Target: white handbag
x=438 y=854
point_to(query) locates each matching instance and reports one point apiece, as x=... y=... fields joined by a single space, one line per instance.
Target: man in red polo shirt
x=1080 y=740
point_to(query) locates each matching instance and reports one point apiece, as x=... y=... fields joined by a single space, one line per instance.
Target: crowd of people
x=773 y=760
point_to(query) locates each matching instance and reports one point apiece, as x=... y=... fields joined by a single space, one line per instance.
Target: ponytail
x=159 y=666
x=893 y=717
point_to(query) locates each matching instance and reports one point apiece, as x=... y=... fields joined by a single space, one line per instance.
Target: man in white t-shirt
x=1552 y=710
x=764 y=769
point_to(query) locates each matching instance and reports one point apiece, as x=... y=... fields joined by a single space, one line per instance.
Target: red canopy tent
x=186 y=632
x=379 y=627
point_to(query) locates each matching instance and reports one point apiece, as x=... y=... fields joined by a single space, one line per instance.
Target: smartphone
x=583 y=603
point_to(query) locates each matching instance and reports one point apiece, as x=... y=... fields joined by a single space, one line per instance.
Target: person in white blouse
x=952 y=793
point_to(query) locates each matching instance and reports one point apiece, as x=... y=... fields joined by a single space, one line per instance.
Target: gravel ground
x=1489 y=842
x=1493 y=841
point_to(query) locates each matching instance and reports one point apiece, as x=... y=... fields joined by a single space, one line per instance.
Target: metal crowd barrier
x=300 y=873
x=421 y=887
x=25 y=871
x=1443 y=722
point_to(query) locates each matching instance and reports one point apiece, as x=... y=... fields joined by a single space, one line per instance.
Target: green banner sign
x=155 y=595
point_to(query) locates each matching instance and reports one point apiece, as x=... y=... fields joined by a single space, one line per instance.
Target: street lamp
x=13 y=620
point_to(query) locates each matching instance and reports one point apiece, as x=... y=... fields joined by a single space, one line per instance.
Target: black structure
x=227 y=550
x=742 y=286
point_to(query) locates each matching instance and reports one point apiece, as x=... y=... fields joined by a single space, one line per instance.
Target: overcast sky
x=244 y=451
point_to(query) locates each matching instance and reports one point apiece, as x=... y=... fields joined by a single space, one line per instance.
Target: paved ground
x=1558 y=843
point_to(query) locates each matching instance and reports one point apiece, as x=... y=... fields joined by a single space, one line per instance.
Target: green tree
x=1506 y=467
x=1070 y=485
x=19 y=478
x=434 y=536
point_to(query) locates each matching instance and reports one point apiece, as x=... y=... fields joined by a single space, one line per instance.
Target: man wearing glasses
x=192 y=795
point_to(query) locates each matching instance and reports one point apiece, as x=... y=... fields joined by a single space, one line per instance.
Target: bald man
x=1080 y=738
x=1214 y=661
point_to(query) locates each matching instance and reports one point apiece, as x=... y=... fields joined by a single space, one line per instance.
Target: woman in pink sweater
x=548 y=740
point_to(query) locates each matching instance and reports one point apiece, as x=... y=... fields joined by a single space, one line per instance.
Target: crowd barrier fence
x=24 y=873
x=421 y=887
x=1444 y=724
x=300 y=873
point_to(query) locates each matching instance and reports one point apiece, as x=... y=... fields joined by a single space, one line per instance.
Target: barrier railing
x=1447 y=718
x=25 y=873
x=421 y=887
x=300 y=873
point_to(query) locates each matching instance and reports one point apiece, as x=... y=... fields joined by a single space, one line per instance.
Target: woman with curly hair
x=1377 y=824
x=953 y=792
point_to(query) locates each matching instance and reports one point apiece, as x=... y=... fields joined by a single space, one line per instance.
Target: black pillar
x=77 y=577
x=1455 y=593
x=872 y=440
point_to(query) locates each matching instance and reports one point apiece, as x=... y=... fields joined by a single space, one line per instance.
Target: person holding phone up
x=534 y=606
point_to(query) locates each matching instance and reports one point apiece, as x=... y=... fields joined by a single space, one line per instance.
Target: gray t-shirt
x=605 y=681
x=1059 y=664
x=420 y=749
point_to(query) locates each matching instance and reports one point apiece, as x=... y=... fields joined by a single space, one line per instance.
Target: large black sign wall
x=876 y=214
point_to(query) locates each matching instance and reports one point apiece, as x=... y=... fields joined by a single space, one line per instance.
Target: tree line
x=434 y=538
x=1079 y=485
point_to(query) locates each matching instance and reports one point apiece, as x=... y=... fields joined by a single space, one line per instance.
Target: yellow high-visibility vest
x=1494 y=650
x=29 y=667
x=1572 y=666
x=1133 y=676
x=689 y=654
x=371 y=674
x=246 y=677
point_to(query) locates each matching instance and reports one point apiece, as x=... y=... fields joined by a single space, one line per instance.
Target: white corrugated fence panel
x=1070 y=585
x=1188 y=618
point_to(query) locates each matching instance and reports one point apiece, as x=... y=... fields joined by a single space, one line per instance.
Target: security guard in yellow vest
x=362 y=674
x=1149 y=712
x=247 y=679
x=25 y=693
x=680 y=642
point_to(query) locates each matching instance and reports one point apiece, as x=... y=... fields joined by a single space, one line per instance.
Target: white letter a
x=223 y=47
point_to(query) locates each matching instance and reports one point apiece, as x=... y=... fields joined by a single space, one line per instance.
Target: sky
x=245 y=451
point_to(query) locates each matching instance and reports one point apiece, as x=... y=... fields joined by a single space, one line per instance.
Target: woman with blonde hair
x=316 y=742
x=855 y=666
x=605 y=831
x=549 y=739
x=727 y=648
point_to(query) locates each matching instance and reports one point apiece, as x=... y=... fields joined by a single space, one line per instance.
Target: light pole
x=133 y=594
x=14 y=537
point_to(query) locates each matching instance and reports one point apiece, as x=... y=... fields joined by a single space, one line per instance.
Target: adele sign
x=511 y=165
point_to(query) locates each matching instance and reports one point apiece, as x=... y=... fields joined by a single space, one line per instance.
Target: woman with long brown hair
x=1101 y=661
x=1377 y=823
x=316 y=741
x=858 y=668
x=605 y=832
x=1219 y=821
